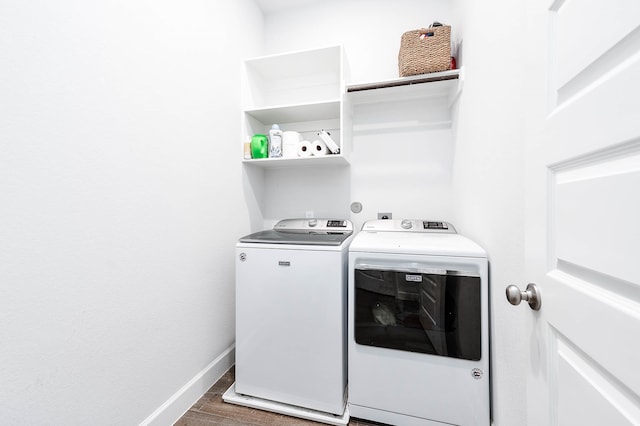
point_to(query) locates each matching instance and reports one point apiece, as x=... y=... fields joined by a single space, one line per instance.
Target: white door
x=583 y=211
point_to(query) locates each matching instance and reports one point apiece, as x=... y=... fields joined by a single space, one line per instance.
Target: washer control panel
x=426 y=224
x=314 y=225
x=408 y=225
x=337 y=224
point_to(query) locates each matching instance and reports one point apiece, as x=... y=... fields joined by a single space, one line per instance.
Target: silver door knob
x=530 y=295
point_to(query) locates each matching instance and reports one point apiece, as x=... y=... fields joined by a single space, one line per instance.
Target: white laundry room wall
x=119 y=207
x=489 y=182
x=402 y=170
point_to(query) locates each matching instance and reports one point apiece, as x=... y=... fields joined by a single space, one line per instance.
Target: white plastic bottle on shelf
x=275 y=141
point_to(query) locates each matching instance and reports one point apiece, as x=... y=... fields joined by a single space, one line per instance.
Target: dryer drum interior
x=431 y=312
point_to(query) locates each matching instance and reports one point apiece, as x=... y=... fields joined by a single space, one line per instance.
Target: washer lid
x=319 y=232
x=434 y=244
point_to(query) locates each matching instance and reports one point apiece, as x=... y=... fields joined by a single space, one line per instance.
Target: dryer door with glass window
x=424 y=310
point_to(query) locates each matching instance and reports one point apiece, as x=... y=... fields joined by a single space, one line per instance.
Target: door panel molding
x=605 y=398
x=588 y=40
x=625 y=293
x=590 y=324
x=589 y=217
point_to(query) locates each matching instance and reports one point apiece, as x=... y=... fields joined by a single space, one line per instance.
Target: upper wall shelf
x=310 y=76
x=301 y=91
x=297 y=112
x=434 y=85
x=336 y=160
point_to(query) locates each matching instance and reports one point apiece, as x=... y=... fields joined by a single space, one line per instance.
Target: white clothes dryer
x=291 y=347
x=418 y=325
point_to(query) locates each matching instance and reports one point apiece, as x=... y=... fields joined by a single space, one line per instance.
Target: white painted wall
x=418 y=159
x=489 y=183
x=117 y=123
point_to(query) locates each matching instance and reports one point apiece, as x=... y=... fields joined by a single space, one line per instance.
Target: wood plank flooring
x=211 y=410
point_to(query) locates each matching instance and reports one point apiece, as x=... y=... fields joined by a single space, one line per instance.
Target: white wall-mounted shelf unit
x=300 y=162
x=300 y=91
x=425 y=86
x=418 y=102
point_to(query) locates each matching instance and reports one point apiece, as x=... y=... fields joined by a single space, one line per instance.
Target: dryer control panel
x=408 y=225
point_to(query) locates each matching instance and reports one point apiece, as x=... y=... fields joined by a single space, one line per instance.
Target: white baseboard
x=169 y=412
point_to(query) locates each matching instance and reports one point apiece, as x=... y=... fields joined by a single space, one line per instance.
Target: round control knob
x=313 y=222
x=406 y=224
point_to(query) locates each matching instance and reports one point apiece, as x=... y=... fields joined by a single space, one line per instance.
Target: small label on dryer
x=413 y=278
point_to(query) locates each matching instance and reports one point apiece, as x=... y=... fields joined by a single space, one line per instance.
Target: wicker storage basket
x=425 y=50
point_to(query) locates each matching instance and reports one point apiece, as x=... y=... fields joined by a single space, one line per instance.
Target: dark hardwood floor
x=211 y=410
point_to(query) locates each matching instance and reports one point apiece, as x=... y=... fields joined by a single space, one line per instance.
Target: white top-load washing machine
x=291 y=291
x=418 y=325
